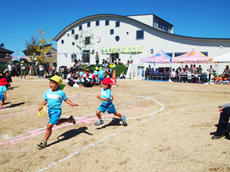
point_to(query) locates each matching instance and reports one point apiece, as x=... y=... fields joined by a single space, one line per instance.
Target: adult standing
x=226 y=71
x=41 y=70
x=9 y=68
x=23 y=70
x=211 y=72
x=97 y=59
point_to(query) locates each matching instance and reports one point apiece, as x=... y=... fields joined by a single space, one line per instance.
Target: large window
x=80 y=27
x=62 y=41
x=140 y=34
x=87 y=40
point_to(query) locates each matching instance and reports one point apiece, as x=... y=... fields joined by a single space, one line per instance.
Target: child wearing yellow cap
x=53 y=97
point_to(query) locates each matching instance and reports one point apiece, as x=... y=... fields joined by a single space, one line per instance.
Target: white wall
x=146 y=19
x=127 y=33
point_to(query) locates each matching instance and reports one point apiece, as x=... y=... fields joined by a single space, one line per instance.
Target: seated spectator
x=122 y=76
x=71 y=81
x=223 y=122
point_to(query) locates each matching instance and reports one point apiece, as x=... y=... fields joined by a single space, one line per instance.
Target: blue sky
x=21 y=19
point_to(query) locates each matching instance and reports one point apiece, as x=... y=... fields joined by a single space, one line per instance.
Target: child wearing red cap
x=107 y=104
x=3 y=83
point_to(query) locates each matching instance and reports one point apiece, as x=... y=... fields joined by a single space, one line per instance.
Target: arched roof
x=140 y=24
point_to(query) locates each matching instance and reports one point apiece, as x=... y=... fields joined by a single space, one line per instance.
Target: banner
x=122 y=50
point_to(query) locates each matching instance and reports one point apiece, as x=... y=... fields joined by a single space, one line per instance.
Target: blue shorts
x=110 y=108
x=101 y=78
x=54 y=115
x=1 y=97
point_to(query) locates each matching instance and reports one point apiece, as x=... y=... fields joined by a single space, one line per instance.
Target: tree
x=84 y=40
x=43 y=46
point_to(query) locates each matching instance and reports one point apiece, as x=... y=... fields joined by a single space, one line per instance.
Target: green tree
x=43 y=46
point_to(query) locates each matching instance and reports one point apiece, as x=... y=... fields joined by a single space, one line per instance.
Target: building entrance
x=113 y=57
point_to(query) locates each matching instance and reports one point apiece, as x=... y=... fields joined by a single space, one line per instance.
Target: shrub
x=119 y=69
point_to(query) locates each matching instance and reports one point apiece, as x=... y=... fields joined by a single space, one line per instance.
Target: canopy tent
x=222 y=58
x=193 y=56
x=159 y=57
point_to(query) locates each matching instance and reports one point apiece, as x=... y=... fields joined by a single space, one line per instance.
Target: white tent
x=223 y=58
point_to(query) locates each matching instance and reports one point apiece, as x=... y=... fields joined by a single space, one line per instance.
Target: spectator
x=41 y=70
x=223 y=122
x=211 y=73
x=97 y=59
x=122 y=76
x=23 y=70
x=226 y=71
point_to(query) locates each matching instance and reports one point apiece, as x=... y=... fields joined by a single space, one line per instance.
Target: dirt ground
x=169 y=127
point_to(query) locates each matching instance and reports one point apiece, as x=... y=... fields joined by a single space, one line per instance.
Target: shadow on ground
x=114 y=122
x=14 y=104
x=70 y=134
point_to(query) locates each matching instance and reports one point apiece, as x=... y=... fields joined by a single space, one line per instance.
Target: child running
x=107 y=104
x=3 y=83
x=54 y=97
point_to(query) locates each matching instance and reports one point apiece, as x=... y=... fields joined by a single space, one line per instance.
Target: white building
x=126 y=37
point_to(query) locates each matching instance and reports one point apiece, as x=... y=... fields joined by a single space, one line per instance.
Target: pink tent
x=160 y=57
x=193 y=56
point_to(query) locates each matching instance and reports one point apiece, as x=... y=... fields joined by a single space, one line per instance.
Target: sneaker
x=99 y=122
x=71 y=120
x=124 y=120
x=42 y=145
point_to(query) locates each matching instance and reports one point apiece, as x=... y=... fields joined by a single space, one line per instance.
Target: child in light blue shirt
x=53 y=98
x=107 y=104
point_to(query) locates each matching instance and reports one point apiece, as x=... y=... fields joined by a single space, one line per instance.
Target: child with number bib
x=107 y=104
x=54 y=97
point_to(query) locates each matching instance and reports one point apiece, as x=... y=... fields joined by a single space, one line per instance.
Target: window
x=169 y=54
x=179 y=53
x=73 y=32
x=117 y=24
x=107 y=22
x=80 y=27
x=76 y=37
x=73 y=57
x=88 y=24
x=117 y=38
x=111 y=31
x=67 y=34
x=62 y=41
x=73 y=43
x=97 y=23
x=140 y=34
x=205 y=53
x=87 y=40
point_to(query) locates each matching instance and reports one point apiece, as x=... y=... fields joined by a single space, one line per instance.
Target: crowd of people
x=78 y=76
x=192 y=73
